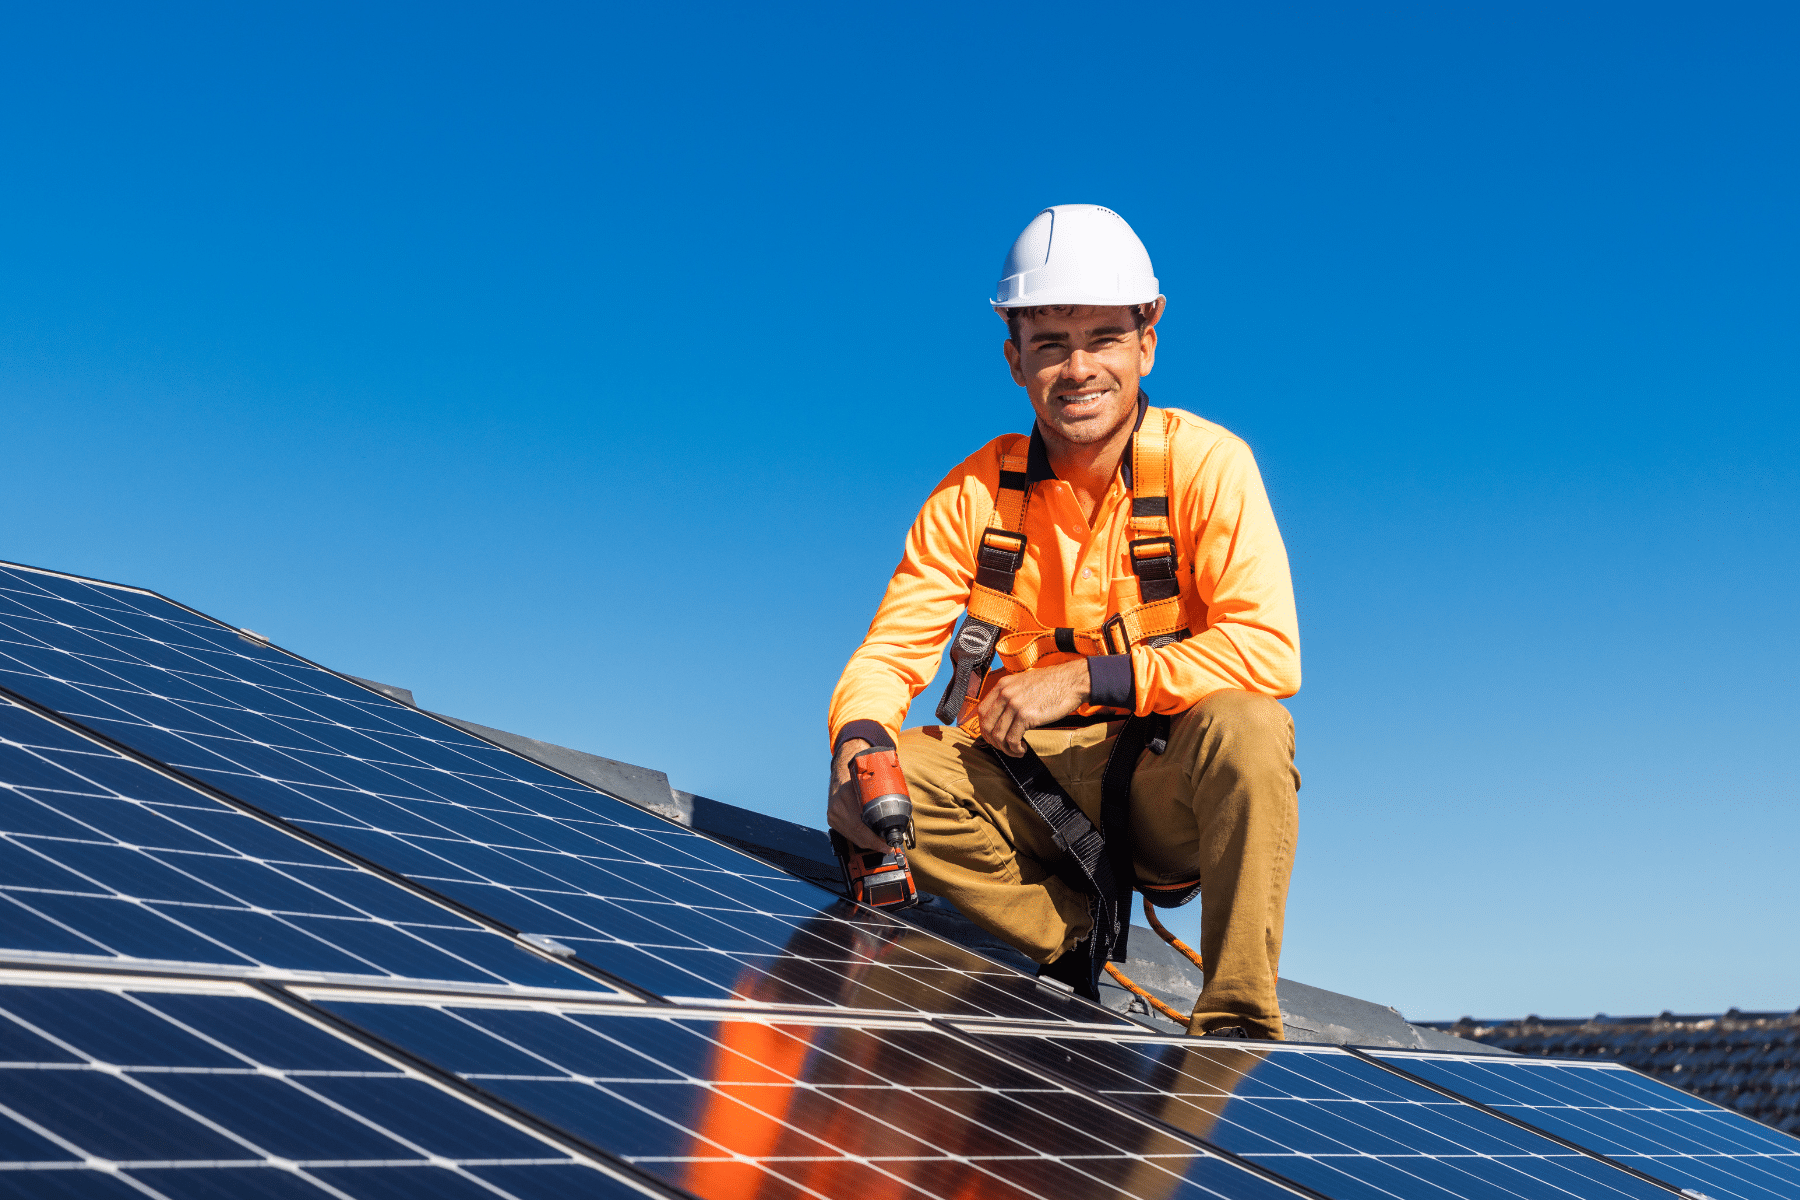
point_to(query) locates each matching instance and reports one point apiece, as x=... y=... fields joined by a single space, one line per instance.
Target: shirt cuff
x=1109 y=681
x=872 y=732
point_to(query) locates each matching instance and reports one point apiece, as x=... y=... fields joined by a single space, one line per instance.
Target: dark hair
x=1138 y=316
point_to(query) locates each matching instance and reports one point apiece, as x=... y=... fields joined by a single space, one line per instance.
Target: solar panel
x=643 y=899
x=1325 y=1118
x=1659 y=1130
x=297 y=962
x=104 y=857
x=141 y=1088
x=726 y=1105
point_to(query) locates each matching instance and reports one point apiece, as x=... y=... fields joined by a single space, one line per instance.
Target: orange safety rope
x=1125 y=981
x=1193 y=955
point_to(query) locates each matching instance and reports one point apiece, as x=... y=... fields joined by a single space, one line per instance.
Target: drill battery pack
x=879 y=879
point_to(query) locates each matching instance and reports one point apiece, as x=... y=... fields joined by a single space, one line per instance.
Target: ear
x=1011 y=351
x=1147 y=339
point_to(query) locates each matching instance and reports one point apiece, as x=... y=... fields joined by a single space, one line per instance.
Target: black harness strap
x=1085 y=865
x=970 y=653
x=1139 y=734
x=1153 y=562
x=1098 y=862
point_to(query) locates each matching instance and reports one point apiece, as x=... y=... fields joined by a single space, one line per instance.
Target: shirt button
x=1087 y=572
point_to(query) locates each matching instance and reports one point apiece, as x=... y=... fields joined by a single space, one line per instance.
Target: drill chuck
x=890 y=817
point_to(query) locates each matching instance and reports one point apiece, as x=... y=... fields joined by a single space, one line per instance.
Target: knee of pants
x=1249 y=726
x=934 y=770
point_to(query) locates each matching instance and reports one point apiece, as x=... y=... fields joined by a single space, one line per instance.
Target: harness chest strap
x=1159 y=617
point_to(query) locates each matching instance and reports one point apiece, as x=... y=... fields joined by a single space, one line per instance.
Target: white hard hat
x=1076 y=254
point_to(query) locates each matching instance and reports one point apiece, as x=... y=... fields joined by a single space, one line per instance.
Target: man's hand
x=1030 y=699
x=843 y=803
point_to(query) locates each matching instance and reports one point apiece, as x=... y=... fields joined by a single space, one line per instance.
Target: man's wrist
x=1081 y=680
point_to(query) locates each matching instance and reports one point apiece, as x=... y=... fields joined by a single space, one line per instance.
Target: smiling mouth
x=1078 y=400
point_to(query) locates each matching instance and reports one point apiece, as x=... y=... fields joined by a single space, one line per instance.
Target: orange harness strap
x=992 y=609
x=1160 y=617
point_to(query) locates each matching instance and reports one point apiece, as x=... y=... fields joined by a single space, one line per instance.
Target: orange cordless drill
x=880 y=879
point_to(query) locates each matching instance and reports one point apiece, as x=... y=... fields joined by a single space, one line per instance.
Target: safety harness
x=1097 y=861
x=998 y=623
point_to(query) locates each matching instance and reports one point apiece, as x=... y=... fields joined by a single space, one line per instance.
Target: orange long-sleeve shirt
x=1233 y=570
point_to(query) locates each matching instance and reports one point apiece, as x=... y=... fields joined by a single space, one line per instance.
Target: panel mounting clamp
x=548 y=945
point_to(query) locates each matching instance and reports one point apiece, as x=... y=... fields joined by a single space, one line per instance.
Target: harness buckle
x=998 y=558
x=1153 y=562
x=1106 y=635
x=1140 y=548
x=970 y=653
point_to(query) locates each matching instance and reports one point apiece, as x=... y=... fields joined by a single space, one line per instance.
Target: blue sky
x=580 y=367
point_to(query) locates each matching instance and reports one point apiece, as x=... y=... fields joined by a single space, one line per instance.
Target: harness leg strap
x=1139 y=734
x=1084 y=865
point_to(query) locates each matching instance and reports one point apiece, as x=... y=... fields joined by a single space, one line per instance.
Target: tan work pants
x=1219 y=805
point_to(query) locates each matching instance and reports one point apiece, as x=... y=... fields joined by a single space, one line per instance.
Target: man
x=1120 y=563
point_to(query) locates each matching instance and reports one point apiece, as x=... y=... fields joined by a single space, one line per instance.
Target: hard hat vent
x=1076 y=254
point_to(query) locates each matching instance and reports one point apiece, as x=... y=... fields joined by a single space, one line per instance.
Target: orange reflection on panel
x=762 y=1108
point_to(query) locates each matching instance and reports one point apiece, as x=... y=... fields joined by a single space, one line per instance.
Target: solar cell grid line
x=1324 y=1118
x=142 y=1088
x=105 y=857
x=638 y=897
x=1687 y=1142
x=728 y=1104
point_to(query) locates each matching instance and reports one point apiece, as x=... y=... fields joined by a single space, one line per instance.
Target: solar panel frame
x=911 y=971
x=340 y=881
x=237 y=1079
x=1619 y=1132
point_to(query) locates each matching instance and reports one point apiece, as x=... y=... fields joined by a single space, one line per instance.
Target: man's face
x=1080 y=364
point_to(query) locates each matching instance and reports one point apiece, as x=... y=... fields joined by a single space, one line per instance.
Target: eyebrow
x=1102 y=331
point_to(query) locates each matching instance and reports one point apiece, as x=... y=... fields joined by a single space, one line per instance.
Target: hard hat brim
x=1071 y=296
x=1023 y=291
